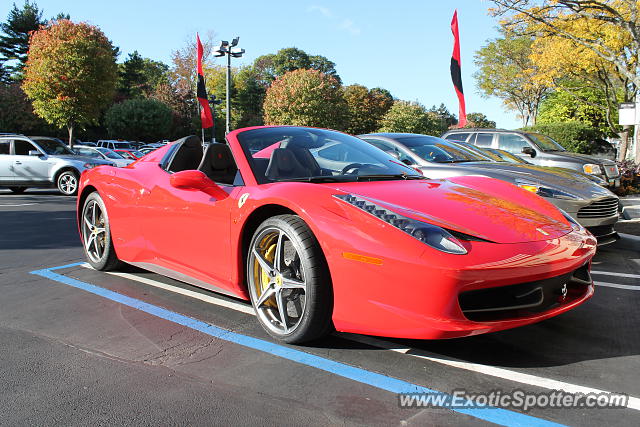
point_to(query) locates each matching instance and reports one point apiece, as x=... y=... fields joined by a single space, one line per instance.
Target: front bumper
x=421 y=298
x=596 y=215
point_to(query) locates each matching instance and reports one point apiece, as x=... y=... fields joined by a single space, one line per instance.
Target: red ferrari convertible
x=321 y=230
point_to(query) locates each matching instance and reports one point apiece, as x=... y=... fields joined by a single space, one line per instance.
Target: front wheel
x=96 y=234
x=67 y=183
x=288 y=280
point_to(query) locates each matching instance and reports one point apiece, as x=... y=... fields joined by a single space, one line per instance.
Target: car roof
x=468 y=130
x=394 y=135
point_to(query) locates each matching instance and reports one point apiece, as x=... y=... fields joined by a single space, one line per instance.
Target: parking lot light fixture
x=230 y=50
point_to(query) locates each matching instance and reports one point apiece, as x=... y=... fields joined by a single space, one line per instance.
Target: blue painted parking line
x=495 y=415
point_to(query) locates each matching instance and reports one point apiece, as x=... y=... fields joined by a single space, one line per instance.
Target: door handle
x=18 y=162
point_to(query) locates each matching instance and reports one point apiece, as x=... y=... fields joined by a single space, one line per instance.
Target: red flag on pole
x=455 y=71
x=201 y=92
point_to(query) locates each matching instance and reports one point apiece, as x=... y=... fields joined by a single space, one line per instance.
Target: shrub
x=139 y=119
x=574 y=136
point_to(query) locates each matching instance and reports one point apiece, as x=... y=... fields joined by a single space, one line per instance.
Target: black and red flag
x=201 y=92
x=455 y=71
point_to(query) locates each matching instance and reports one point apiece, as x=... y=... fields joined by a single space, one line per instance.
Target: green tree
x=183 y=115
x=479 y=120
x=14 y=43
x=410 y=117
x=366 y=108
x=139 y=120
x=16 y=113
x=445 y=118
x=271 y=66
x=505 y=70
x=70 y=74
x=138 y=76
x=572 y=135
x=306 y=98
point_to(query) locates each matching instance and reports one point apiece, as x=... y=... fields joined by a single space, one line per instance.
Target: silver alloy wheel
x=276 y=281
x=67 y=183
x=94 y=232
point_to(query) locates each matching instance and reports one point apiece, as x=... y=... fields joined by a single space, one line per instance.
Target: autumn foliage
x=306 y=98
x=70 y=74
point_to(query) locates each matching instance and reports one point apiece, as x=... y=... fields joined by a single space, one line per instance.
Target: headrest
x=219 y=155
x=302 y=140
x=190 y=141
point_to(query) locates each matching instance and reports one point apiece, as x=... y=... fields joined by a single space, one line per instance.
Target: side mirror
x=528 y=150
x=35 y=153
x=197 y=181
x=407 y=162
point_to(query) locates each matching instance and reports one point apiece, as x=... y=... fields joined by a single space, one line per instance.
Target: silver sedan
x=592 y=205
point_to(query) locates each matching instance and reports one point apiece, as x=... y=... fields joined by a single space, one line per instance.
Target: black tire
x=312 y=314
x=17 y=190
x=106 y=258
x=68 y=182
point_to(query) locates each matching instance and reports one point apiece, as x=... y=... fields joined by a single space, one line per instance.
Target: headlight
x=543 y=191
x=592 y=168
x=432 y=235
x=90 y=165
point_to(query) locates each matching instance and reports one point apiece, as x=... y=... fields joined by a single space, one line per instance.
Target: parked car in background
x=538 y=149
x=146 y=149
x=85 y=143
x=502 y=156
x=592 y=205
x=40 y=161
x=104 y=153
x=113 y=144
x=130 y=154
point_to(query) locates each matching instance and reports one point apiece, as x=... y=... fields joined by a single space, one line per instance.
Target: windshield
x=506 y=156
x=545 y=143
x=109 y=153
x=317 y=155
x=490 y=156
x=87 y=152
x=52 y=146
x=437 y=150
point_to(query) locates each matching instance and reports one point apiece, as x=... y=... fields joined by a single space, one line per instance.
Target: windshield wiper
x=394 y=176
x=317 y=179
x=458 y=161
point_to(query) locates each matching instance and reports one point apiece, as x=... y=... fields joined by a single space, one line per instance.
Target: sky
x=403 y=46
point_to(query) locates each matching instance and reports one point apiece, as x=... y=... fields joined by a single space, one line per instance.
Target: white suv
x=40 y=161
x=114 y=144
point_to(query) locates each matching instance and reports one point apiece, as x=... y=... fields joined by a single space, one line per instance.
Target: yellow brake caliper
x=261 y=276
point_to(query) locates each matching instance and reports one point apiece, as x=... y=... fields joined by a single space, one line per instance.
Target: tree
x=306 y=98
x=138 y=76
x=16 y=113
x=14 y=43
x=139 y=119
x=410 y=117
x=445 y=118
x=479 y=120
x=366 y=108
x=182 y=112
x=271 y=66
x=605 y=29
x=505 y=70
x=70 y=74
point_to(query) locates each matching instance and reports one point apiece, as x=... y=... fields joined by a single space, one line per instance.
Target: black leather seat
x=218 y=163
x=188 y=156
x=284 y=164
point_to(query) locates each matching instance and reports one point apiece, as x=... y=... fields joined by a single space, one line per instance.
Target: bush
x=410 y=117
x=139 y=120
x=574 y=136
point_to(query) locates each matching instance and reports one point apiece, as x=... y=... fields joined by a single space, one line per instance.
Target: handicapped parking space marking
x=505 y=374
x=373 y=379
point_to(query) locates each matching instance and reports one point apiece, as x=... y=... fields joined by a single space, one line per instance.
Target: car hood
x=581 y=158
x=478 y=206
x=84 y=159
x=580 y=187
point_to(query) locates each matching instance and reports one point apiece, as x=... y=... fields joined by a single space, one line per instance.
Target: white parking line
x=612 y=273
x=19 y=204
x=550 y=384
x=618 y=286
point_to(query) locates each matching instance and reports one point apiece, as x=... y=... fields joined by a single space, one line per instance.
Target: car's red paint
x=158 y=222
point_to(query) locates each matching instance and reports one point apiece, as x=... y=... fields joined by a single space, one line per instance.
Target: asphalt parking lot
x=86 y=347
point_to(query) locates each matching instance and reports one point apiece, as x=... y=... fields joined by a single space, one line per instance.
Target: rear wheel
x=67 y=183
x=96 y=234
x=288 y=280
x=18 y=190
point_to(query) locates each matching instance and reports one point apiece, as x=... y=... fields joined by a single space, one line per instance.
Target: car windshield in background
x=52 y=146
x=482 y=152
x=506 y=156
x=87 y=152
x=545 y=143
x=317 y=155
x=110 y=153
x=438 y=150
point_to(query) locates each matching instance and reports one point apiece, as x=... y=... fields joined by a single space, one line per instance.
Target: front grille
x=600 y=208
x=524 y=299
x=611 y=171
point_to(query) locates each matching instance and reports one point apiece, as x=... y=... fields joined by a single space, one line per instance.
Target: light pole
x=213 y=101
x=231 y=51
